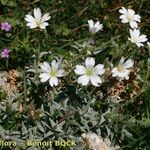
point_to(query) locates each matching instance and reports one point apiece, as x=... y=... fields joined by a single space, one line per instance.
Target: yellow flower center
x=120 y=68
x=129 y=17
x=89 y=71
x=135 y=40
x=52 y=73
x=38 y=22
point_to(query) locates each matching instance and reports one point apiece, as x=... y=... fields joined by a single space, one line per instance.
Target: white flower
x=128 y=15
x=89 y=73
x=96 y=142
x=38 y=20
x=122 y=70
x=137 y=38
x=51 y=73
x=93 y=28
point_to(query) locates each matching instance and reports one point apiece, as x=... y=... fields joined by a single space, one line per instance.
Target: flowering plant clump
x=68 y=82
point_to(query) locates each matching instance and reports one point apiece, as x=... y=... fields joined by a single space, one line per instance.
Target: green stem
x=6 y=63
x=24 y=85
x=87 y=92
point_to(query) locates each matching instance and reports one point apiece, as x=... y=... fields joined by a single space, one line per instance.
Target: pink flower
x=5 y=26
x=5 y=53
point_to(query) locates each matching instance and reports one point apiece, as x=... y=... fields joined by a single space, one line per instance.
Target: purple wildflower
x=5 y=26
x=5 y=53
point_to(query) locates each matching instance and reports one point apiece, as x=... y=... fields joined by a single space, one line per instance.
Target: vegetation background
x=36 y=111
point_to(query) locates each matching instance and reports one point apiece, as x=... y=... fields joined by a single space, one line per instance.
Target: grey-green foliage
x=68 y=110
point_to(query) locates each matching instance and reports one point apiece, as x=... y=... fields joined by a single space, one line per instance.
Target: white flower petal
x=129 y=63
x=122 y=60
x=80 y=70
x=123 y=17
x=37 y=13
x=54 y=64
x=127 y=77
x=123 y=74
x=99 y=27
x=29 y=18
x=53 y=81
x=125 y=21
x=89 y=62
x=44 y=77
x=139 y=44
x=84 y=80
x=114 y=72
x=43 y=25
x=32 y=25
x=60 y=73
x=91 y=24
x=45 y=17
x=142 y=38
x=137 y=18
x=45 y=67
x=95 y=80
x=131 y=12
x=136 y=33
x=133 y=24
x=123 y=10
x=99 y=69
x=96 y=24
